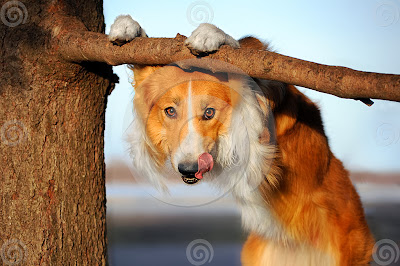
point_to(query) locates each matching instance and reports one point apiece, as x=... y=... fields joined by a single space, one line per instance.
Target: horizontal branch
x=80 y=46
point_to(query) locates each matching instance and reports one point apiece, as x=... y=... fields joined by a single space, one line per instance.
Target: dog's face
x=192 y=123
x=186 y=115
x=186 y=122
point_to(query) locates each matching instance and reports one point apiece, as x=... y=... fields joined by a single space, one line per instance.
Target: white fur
x=125 y=29
x=208 y=38
x=142 y=161
x=192 y=146
x=242 y=157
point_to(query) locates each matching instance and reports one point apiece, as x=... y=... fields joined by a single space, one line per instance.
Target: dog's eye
x=209 y=113
x=170 y=112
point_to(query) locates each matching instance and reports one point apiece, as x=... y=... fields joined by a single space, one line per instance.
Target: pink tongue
x=205 y=163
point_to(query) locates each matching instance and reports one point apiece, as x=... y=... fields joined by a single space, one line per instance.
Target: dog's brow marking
x=176 y=101
x=203 y=105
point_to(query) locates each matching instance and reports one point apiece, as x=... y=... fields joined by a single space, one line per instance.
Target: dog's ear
x=144 y=91
x=275 y=100
x=263 y=102
x=141 y=72
x=286 y=112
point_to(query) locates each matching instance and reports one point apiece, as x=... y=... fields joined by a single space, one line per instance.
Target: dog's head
x=198 y=123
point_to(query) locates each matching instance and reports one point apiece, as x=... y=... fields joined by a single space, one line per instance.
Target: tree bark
x=52 y=193
x=81 y=46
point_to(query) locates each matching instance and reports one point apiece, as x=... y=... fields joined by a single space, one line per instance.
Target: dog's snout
x=188 y=168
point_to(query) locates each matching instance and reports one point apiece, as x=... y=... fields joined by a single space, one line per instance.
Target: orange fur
x=168 y=87
x=314 y=200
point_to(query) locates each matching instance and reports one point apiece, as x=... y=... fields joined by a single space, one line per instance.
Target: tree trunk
x=52 y=193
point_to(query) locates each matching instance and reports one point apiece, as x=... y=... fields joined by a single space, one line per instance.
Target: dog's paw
x=125 y=29
x=208 y=38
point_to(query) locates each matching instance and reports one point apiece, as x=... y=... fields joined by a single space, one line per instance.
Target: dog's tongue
x=206 y=163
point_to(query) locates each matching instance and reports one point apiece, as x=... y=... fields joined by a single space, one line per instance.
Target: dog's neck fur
x=296 y=175
x=258 y=212
x=262 y=175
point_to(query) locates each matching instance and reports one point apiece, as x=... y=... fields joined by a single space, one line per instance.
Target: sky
x=360 y=34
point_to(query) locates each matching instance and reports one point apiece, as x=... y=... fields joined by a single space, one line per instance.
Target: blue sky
x=360 y=34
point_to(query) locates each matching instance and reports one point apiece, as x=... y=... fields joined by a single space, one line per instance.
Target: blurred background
x=145 y=228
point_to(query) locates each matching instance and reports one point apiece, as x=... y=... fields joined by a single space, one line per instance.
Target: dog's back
x=315 y=201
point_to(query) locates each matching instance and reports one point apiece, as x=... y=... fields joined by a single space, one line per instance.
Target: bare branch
x=80 y=46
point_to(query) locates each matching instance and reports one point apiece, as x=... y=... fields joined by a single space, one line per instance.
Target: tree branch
x=80 y=46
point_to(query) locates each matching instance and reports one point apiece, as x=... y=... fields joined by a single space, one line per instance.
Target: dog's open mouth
x=190 y=179
x=205 y=163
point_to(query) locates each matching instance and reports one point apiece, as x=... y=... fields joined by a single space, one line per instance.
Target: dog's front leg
x=125 y=29
x=209 y=38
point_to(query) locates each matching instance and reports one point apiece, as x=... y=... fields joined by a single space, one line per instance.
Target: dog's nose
x=188 y=168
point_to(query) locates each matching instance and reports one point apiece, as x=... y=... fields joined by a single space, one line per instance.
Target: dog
x=263 y=139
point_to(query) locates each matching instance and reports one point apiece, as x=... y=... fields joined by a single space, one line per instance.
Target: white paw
x=208 y=38
x=125 y=29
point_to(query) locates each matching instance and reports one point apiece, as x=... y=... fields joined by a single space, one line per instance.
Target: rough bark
x=81 y=46
x=52 y=193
